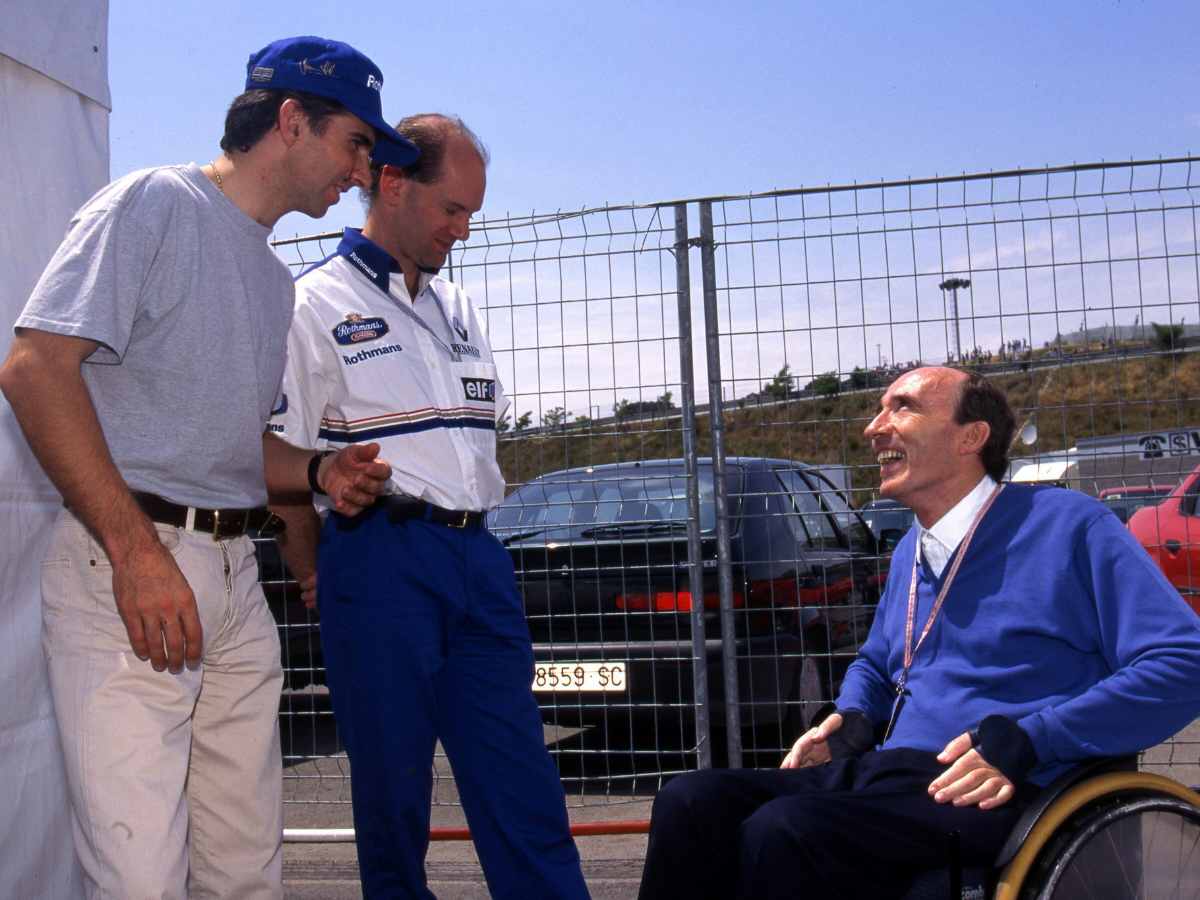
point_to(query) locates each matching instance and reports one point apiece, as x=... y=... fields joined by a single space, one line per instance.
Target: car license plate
x=551 y=678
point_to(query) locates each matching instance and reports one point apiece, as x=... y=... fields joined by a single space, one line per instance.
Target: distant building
x=1115 y=460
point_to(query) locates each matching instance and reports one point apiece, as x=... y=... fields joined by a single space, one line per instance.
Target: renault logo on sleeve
x=355 y=329
x=480 y=389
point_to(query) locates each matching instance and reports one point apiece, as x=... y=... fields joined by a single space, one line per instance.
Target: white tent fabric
x=54 y=142
x=65 y=40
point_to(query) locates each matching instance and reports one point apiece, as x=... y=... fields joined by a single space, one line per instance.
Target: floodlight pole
x=952 y=285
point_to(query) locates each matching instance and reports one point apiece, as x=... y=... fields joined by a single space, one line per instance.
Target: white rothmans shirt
x=938 y=542
x=367 y=363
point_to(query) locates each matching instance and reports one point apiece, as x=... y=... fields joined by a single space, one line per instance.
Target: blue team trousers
x=425 y=638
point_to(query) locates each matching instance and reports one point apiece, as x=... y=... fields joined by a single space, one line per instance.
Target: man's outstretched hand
x=971 y=780
x=811 y=748
x=353 y=477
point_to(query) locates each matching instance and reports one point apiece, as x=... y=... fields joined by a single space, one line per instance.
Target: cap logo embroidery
x=326 y=68
x=262 y=73
x=376 y=83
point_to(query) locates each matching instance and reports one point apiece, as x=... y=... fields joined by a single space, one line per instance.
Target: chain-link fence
x=688 y=477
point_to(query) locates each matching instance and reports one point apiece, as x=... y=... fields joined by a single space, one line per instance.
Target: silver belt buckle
x=462 y=523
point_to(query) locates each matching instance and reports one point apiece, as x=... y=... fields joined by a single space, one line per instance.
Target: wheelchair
x=1102 y=831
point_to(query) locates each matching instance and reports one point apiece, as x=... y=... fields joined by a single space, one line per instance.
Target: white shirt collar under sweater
x=937 y=543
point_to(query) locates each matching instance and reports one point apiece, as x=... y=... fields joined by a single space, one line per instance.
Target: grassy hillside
x=1130 y=395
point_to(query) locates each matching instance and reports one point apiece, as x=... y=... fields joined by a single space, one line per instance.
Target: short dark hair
x=252 y=114
x=430 y=132
x=982 y=401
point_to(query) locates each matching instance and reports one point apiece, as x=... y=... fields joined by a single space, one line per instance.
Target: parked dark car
x=889 y=520
x=601 y=558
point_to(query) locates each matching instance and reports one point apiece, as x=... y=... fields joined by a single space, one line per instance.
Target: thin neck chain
x=217 y=177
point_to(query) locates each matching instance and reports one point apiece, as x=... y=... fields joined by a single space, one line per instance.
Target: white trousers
x=175 y=780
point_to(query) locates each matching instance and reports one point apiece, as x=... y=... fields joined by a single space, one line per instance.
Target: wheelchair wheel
x=1122 y=847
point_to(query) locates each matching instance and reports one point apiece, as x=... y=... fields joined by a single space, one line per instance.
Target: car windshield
x=594 y=503
x=1125 y=505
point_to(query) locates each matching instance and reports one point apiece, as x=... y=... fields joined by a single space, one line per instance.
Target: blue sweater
x=1057 y=619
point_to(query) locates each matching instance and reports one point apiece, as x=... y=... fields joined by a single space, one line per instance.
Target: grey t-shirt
x=191 y=308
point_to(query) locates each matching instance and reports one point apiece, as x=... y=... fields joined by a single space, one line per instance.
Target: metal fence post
x=716 y=420
x=687 y=390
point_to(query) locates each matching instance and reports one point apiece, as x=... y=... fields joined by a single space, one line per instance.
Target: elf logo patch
x=355 y=329
x=480 y=389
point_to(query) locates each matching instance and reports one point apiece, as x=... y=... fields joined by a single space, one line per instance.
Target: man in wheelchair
x=1022 y=631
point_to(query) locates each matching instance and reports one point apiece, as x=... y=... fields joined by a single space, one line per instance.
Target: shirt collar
x=951 y=528
x=368 y=257
x=423 y=279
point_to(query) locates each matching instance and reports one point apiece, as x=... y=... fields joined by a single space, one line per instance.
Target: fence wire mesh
x=1075 y=288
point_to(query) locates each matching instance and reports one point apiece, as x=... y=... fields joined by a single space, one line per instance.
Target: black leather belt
x=220 y=523
x=401 y=509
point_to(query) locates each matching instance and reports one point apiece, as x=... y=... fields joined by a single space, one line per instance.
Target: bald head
x=434 y=134
x=418 y=212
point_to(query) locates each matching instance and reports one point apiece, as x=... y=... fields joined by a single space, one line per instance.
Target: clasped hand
x=353 y=477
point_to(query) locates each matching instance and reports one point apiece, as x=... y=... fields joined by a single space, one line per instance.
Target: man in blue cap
x=144 y=368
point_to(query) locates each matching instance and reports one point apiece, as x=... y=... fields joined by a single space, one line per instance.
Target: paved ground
x=612 y=867
x=599 y=787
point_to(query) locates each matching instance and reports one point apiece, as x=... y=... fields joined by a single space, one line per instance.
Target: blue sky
x=585 y=104
x=588 y=103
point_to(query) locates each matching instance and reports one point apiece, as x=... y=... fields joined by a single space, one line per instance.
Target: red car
x=1170 y=532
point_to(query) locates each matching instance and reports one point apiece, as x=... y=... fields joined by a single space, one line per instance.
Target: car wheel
x=811 y=688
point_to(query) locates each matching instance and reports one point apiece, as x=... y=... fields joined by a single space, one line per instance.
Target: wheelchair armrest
x=1051 y=792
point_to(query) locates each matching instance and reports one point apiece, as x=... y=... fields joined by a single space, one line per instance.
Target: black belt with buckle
x=401 y=509
x=220 y=523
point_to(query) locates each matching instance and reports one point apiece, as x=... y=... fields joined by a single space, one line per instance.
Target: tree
x=665 y=403
x=554 y=418
x=825 y=385
x=583 y=421
x=779 y=387
x=859 y=378
x=503 y=425
x=1167 y=337
x=522 y=422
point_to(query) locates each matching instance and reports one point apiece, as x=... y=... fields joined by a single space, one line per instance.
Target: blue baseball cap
x=335 y=70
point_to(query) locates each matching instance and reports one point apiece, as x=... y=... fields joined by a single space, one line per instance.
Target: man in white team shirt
x=422 y=627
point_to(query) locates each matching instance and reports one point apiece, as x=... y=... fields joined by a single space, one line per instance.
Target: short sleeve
x=93 y=286
x=306 y=389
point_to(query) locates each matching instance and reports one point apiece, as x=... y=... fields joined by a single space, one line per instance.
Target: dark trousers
x=425 y=638
x=852 y=828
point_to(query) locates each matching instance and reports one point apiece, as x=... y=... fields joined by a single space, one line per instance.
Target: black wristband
x=313 y=465
x=1005 y=745
x=854 y=738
